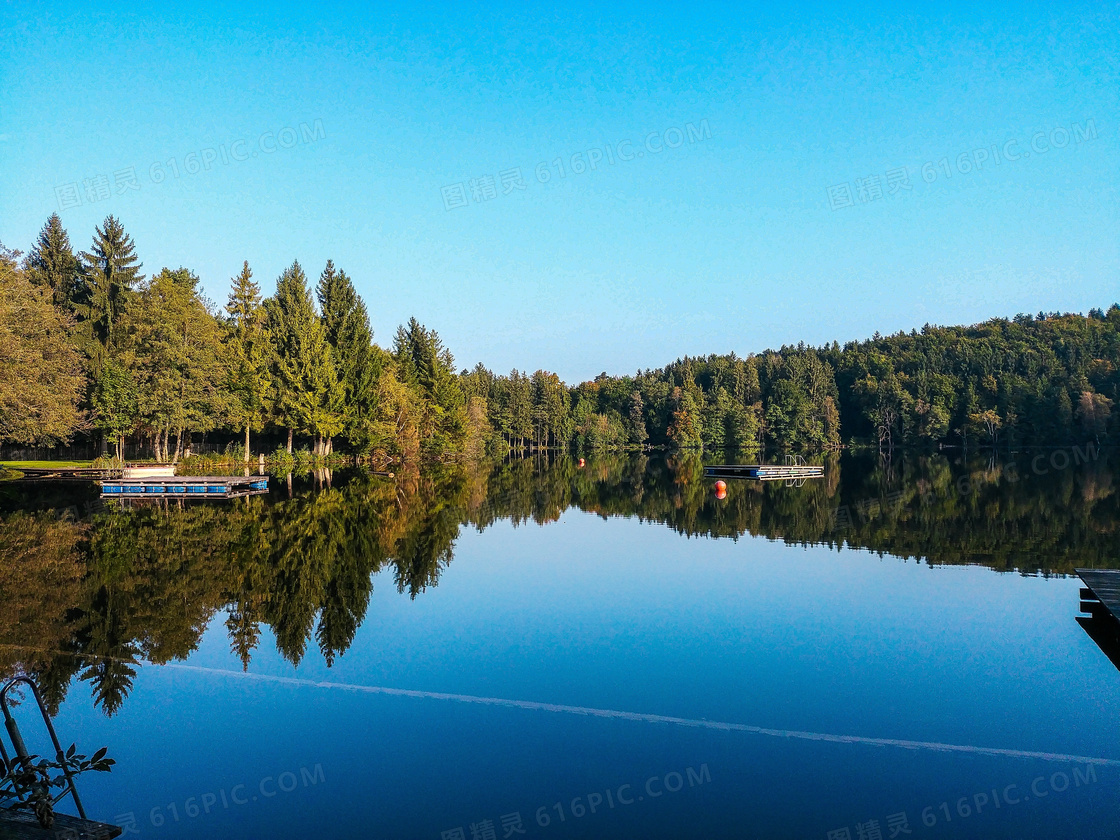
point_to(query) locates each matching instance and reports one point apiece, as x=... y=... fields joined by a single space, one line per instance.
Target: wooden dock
x=22 y=825
x=185 y=487
x=95 y=473
x=765 y=472
x=1100 y=597
x=1101 y=592
x=64 y=473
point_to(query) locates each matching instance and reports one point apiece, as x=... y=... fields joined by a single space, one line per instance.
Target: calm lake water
x=541 y=650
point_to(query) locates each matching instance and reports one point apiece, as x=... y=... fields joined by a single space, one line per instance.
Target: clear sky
x=799 y=206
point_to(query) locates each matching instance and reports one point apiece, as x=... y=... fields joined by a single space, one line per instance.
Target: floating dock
x=764 y=472
x=185 y=487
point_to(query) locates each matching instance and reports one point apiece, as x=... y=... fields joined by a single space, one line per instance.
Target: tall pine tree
x=110 y=272
x=249 y=362
x=51 y=262
x=303 y=369
x=346 y=322
x=424 y=364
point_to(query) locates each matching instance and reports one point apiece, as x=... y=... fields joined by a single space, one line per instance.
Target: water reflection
x=93 y=591
x=1105 y=631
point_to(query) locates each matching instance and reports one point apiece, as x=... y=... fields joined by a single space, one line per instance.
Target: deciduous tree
x=41 y=377
x=173 y=346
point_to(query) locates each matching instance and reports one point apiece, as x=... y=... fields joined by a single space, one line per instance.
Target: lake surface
x=540 y=650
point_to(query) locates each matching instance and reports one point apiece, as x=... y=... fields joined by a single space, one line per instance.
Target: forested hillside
x=91 y=347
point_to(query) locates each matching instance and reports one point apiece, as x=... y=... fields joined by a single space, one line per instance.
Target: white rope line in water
x=646 y=718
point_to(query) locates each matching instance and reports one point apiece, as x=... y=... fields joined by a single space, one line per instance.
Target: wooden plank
x=1104 y=585
x=82 y=474
x=150 y=471
x=22 y=825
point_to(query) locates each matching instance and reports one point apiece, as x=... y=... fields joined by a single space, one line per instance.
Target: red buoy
x=721 y=489
x=581 y=462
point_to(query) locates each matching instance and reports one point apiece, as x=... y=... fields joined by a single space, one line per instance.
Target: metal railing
x=21 y=754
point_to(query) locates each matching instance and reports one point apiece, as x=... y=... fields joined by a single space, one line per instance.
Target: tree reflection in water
x=95 y=596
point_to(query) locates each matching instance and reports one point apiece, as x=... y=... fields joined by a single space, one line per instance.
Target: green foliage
x=307 y=393
x=41 y=377
x=280 y=461
x=172 y=344
x=35 y=778
x=637 y=420
x=163 y=365
x=110 y=270
x=549 y=414
x=715 y=402
x=1055 y=379
x=115 y=401
x=235 y=453
x=358 y=367
x=1022 y=381
x=250 y=355
x=51 y=263
x=427 y=368
x=685 y=429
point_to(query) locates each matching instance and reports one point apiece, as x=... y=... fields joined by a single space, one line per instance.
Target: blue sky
x=735 y=237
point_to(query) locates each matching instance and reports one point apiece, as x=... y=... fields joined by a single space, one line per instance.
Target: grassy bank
x=276 y=462
x=42 y=465
x=10 y=470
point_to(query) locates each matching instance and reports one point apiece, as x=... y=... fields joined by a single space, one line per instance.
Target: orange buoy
x=721 y=489
x=581 y=462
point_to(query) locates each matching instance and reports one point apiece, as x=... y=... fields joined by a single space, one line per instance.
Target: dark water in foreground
x=542 y=651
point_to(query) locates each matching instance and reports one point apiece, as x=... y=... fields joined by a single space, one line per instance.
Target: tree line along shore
x=92 y=349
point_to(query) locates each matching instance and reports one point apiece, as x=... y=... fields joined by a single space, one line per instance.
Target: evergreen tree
x=425 y=364
x=303 y=370
x=520 y=408
x=346 y=323
x=637 y=420
x=51 y=262
x=110 y=272
x=551 y=418
x=249 y=363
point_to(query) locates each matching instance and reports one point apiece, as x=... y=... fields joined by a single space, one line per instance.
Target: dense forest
x=91 y=348
x=95 y=590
